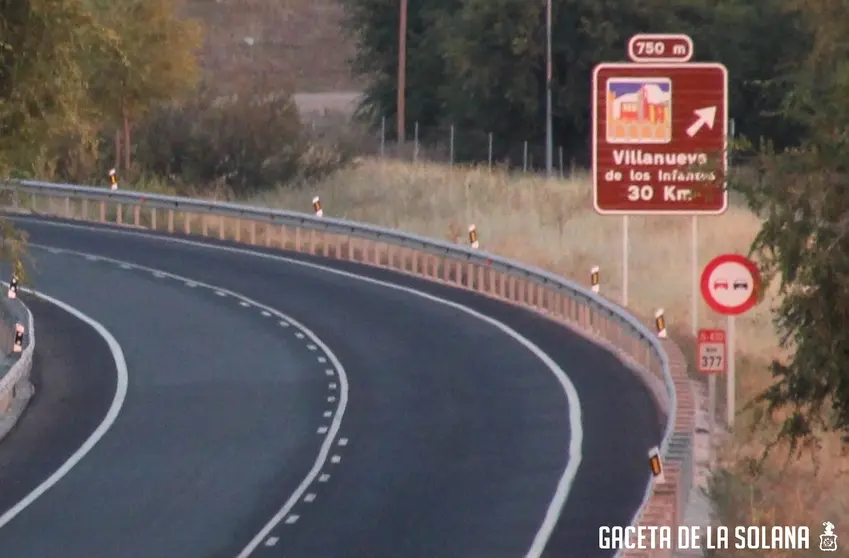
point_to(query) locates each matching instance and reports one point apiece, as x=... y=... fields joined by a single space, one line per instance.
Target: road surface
x=396 y=425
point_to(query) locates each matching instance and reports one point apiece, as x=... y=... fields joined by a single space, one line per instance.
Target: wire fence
x=448 y=145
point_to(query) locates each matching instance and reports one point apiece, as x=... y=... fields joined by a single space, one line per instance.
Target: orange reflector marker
x=655 y=464
x=660 y=324
x=473 y=237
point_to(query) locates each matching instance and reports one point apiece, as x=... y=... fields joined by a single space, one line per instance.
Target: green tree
x=151 y=59
x=803 y=197
x=375 y=26
x=43 y=93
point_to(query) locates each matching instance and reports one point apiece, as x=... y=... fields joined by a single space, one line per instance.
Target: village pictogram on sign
x=639 y=110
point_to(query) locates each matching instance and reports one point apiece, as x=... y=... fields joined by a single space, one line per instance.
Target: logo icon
x=639 y=110
x=828 y=540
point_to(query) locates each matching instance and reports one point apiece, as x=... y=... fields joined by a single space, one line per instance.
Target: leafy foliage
x=480 y=64
x=803 y=197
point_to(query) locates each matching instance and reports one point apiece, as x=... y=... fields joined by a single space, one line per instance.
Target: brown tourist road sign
x=660 y=137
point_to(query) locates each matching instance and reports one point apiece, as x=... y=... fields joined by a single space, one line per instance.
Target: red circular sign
x=731 y=284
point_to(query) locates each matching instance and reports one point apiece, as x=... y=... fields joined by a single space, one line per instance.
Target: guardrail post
x=253 y=233
x=221 y=225
x=102 y=211
x=153 y=218
x=187 y=223
x=238 y=230
x=204 y=225
x=67 y=207
x=137 y=215
x=119 y=214
x=85 y=210
x=170 y=220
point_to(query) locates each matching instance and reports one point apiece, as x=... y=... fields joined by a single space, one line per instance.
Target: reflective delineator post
x=113 y=179
x=473 y=237
x=655 y=464
x=19 y=339
x=316 y=205
x=13 y=288
x=660 y=324
x=594 y=277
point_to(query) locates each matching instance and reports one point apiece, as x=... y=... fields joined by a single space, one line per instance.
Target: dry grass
x=298 y=45
x=551 y=224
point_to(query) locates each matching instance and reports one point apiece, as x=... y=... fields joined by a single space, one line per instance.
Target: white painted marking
x=332 y=385
x=101 y=430
x=91 y=258
x=321 y=360
x=564 y=485
x=324 y=478
x=343 y=441
x=271 y=541
x=311 y=347
x=322 y=430
x=266 y=313
x=335 y=459
x=243 y=303
x=191 y=285
x=292 y=519
x=299 y=335
x=54 y=250
x=283 y=323
x=331 y=399
x=335 y=425
x=309 y=497
x=328 y=414
x=158 y=274
x=126 y=266
x=329 y=371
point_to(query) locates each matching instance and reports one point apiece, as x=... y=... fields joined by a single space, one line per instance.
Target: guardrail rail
x=658 y=361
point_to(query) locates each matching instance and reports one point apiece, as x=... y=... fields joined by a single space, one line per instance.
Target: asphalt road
x=456 y=434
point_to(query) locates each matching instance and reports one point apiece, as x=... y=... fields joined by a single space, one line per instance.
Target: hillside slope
x=297 y=44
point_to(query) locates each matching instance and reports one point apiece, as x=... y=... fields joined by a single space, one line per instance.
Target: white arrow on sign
x=704 y=116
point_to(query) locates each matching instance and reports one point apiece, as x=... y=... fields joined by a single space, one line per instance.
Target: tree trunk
x=117 y=148
x=126 y=142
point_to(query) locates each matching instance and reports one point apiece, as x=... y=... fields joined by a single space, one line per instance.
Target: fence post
x=416 y=142
x=451 y=147
x=489 y=156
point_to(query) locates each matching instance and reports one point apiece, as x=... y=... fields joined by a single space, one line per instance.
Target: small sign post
x=730 y=285
x=711 y=354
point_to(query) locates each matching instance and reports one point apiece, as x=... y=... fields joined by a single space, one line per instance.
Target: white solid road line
x=302 y=332
x=564 y=485
x=102 y=428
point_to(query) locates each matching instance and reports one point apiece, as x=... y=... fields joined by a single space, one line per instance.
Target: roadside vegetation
x=89 y=85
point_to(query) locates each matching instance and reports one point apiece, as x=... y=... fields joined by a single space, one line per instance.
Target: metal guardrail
x=461 y=266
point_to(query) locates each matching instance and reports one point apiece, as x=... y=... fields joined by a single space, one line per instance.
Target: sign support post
x=625 y=257
x=694 y=264
x=731 y=377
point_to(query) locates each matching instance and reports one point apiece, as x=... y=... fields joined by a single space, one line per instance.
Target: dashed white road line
x=343 y=441
x=324 y=477
x=329 y=372
x=576 y=434
x=329 y=432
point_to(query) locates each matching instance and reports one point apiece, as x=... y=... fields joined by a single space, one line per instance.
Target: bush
x=246 y=143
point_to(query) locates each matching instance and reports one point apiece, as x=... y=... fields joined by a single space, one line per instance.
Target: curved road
x=239 y=436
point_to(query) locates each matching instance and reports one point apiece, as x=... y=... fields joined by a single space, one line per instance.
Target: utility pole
x=402 y=70
x=549 y=133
